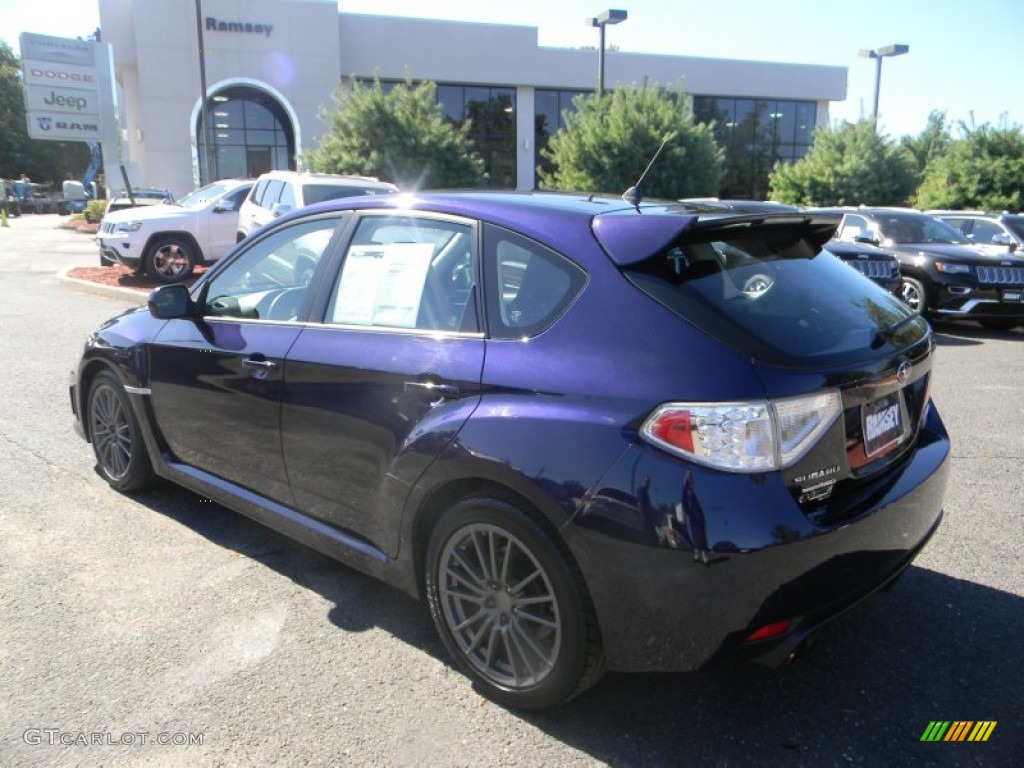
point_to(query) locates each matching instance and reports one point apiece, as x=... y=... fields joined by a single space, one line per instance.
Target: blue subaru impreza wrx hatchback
x=591 y=434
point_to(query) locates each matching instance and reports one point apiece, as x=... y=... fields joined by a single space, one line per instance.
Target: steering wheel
x=286 y=304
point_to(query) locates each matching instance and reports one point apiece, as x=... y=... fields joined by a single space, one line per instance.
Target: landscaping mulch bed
x=122 y=277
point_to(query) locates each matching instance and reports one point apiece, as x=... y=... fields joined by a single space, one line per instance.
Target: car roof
x=339 y=178
x=565 y=221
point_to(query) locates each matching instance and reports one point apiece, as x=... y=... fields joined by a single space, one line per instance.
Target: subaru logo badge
x=903 y=372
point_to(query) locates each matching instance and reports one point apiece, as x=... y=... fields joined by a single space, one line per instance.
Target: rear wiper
x=889 y=331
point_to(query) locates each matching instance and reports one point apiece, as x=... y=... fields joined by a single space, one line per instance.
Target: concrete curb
x=103 y=290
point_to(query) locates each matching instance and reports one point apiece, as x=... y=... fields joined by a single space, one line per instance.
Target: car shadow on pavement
x=360 y=602
x=933 y=648
x=968 y=334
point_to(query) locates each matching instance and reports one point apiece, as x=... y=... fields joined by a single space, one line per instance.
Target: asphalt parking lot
x=165 y=630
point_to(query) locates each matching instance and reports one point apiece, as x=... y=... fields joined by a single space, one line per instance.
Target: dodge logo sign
x=44 y=123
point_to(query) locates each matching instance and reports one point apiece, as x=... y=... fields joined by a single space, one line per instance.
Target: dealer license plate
x=1012 y=296
x=883 y=423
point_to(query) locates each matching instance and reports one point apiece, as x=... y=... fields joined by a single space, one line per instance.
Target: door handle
x=431 y=388
x=261 y=368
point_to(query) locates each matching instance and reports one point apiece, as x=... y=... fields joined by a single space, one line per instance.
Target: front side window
x=917 y=228
x=271 y=194
x=851 y=227
x=271 y=279
x=983 y=231
x=407 y=272
x=236 y=197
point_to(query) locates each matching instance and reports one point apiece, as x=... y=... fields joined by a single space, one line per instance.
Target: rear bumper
x=668 y=604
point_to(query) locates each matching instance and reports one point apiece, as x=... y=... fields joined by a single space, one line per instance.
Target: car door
x=379 y=388
x=216 y=381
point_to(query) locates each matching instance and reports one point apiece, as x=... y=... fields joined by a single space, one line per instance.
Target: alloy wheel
x=111 y=432
x=499 y=606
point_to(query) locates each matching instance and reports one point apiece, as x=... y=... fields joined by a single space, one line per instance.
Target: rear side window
x=528 y=285
x=772 y=296
x=318 y=193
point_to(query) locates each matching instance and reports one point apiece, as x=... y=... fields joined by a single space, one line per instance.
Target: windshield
x=204 y=196
x=917 y=228
x=773 y=297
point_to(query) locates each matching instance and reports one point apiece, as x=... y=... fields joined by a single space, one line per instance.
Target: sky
x=964 y=59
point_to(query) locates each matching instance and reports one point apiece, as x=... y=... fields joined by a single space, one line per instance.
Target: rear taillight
x=743 y=437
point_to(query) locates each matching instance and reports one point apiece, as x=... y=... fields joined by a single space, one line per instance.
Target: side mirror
x=169 y=302
x=280 y=209
x=224 y=206
x=867 y=238
x=1002 y=238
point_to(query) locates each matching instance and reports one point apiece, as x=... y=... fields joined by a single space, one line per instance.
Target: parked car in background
x=279 y=192
x=590 y=434
x=942 y=274
x=877 y=264
x=997 y=232
x=139 y=197
x=167 y=240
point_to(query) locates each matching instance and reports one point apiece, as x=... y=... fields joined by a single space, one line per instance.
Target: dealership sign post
x=69 y=93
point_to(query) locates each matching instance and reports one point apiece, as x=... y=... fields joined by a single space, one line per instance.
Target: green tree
x=984 y=169
x=929 y=145
x=847 y=164
x=400 y=135
x=14 y=139
x=609 y=140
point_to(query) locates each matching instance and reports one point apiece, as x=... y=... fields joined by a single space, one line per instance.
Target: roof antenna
x=634 y=195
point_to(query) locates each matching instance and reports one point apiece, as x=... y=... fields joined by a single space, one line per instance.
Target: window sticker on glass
x=383 y=284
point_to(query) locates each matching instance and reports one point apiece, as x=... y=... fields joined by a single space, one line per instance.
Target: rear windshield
x=773 y=296
x=318 y=193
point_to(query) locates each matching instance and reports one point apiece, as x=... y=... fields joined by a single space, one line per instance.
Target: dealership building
x=269 y=66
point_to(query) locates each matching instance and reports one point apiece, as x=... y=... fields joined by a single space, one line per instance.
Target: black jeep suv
x=943 y=275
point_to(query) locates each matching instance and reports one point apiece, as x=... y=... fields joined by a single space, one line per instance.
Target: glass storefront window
x=755 y=134
x=252 y=134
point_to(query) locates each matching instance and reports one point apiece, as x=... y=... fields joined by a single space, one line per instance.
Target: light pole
x=878 y=54
x=601 y=21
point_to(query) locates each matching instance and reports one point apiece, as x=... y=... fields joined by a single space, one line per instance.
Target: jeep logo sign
x=63 y=100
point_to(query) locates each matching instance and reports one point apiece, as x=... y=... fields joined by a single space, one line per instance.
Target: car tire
x=510 y=606
x=170 y=260
x=914 y=294
x=121 y=455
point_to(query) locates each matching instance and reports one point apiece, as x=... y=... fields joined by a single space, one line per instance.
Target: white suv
x=168 y=241
x=280 y=192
